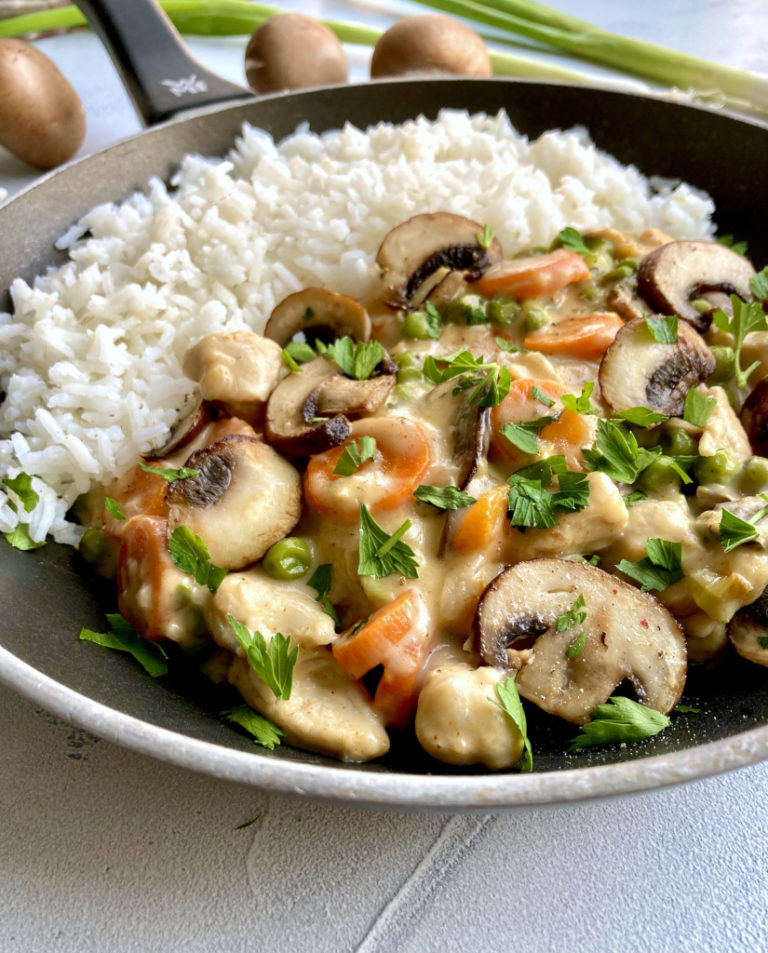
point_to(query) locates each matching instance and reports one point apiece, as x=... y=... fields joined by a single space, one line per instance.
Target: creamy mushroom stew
x=539 y=477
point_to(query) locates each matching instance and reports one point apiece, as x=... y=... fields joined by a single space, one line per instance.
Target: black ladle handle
x=160 y=74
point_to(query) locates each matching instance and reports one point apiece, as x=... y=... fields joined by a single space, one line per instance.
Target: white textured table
x=104 y=850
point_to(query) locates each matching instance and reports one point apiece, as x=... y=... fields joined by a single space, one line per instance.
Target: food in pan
x=454 y=471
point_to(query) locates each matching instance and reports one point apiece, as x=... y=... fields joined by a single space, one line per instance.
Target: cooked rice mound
x=90 y=360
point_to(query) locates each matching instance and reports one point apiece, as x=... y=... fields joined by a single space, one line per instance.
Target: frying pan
x=47 y=595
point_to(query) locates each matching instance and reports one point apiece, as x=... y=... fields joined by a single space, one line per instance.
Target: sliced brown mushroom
x=748 y=630
x=244 y=499
x=754 y=417
x=342 y=395
x=628 y=636
x=639 y=371
x=194 y=418
x=674 y=273
x=319 y=313
x=416 y=256
x=291 y=422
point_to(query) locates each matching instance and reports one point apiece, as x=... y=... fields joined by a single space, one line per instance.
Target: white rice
x=90 y=360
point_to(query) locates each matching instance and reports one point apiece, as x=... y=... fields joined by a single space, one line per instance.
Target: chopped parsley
x=659 y=569
x=698 y=407
x=320 y=581
x=525 y=436
x=747 y=317
x=576 y=647
x=663 y=330
x=762 y=641
x=538 y=394
x=505 y=345
x=169 y=473
x=489 y=383
x=357 y=360
x=758 y=284
x=190 y=554
x=532 y=504
x=730 y=242
x=273 y=663
x=443 y=497
x=264 y=732
x=510 y=704
x=618 y=721
x=571 y=619
x=641 y=416
x=382 y=554
x=123 y=637
x=582 y=403
x=20 y=538
x=735 y=531
x=484 y=237
x=113 y=508
x=296 y=353
x=354 y=456
x=21 y=485
x=571 y=240
x=617 y=454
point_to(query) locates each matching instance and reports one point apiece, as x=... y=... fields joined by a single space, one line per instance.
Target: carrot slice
x=394 y=637
x=481 y=520
x=137 y=493
x=142 y=566
x=588 y=335
x=403 y=456
x=533 y=277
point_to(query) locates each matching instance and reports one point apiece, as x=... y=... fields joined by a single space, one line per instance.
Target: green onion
x=735 y=88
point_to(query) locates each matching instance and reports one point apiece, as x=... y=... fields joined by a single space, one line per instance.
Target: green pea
x=288 y=558
x=753 y=477
x=719 y=468
x=404 y=392
x=409 y=374
x=421 y=326
x=677 y=441
x=536 y=319
x=625 y=268
x=599 y=245
x=702 y=305
x=725 y=363
x=589 y=291
x=93 y=545
x=455 y=312
x=660 y=475
x=405 y=359
x=502 y=311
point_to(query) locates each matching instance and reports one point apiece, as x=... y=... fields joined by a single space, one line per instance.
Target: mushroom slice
x=244 y=499
x=754 y=417
x=629 y=636
x=291 y=423
x=673 y=273
x=194 y=419
x=748 y=630
x=425 y=249
x=639 y=371
x=342 y=395
x=319 y=314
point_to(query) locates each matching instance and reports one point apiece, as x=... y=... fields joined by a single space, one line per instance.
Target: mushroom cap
x=192 y=421
x=639 y=371
x=294 y=51
x=754 y=417
x=673 y=273
x=318 y=313
x=430 y=43
x=417 y=255
x=630 y=636
x=245 y=498
x=747 y=627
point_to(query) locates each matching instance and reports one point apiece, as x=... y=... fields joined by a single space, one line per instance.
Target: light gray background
x=104 y=850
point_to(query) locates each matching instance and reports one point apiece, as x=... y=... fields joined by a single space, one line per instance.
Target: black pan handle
x=156 y=67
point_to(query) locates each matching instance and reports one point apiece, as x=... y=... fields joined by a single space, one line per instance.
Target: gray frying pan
x=47 y=595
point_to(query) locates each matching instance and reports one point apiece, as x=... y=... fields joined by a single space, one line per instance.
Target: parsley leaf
x=576 y=647
x=273 y=663
x=687 y=710
x=641 y=416
x=20 y=538
x=484 y=238
x=730 y=242
x=296 y=353
x=698 y=408
x=113 y=508
x=747 y=317
x=357 y=360
x=489 y=382
x=524 y=436
x=758 y=284
x=659 y=569
x=380 y=554
x=617 y=453
x=21 y=485
x=123 y=637
x=510 y=704
x=572 y=241
x=320 y=580
x=735 y=531
x=190 y=554
x=354 y=455
x=762 y=641
x=264 y=732
x=538 y=394
x=636 y=496
x=620 y=720
x=505 y=345
x=170 y=474
x=582 y=403
x=530 y=504
x=663 y=330
x=572 y=617
x=443 y=497
x=572 y=494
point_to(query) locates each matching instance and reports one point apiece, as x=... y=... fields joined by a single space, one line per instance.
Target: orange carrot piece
x=533 y=277
x=403 y=456
x=481 y=520
x=587 y=335
x=394 y=637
